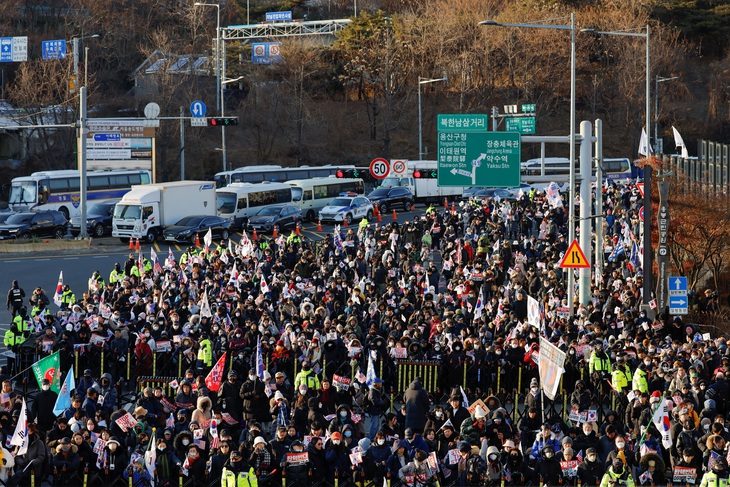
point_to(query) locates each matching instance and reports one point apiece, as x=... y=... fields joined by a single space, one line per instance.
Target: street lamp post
x=571 y=203
x=423 y=81
x=646 y=258
x=658 y=79
x=217 y=52
x=81 y=134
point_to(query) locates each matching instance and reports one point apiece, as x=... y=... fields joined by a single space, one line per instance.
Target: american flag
x=579 y=456
x=170 y=423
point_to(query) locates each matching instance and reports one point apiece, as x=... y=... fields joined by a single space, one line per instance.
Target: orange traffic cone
x=197 y=240
x=137 y=246
x=131 y=243
x=446 y=203
x=413 y=207
x=298 y=230
x=255 y=235
x=344 y=222
x=453 y=208
x=377 y=213
x=395 y=217
x=319 y=225
x=276 y=231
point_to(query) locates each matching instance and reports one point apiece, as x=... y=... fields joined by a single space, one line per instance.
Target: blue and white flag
x=259 y=361
x=63 y=401
x=618 y=251
x=370 y=377
x=635 y=259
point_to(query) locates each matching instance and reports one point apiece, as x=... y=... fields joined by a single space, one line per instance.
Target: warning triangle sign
x=574 y=258
x=640 y=187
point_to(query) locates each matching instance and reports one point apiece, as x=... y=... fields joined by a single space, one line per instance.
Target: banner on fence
x=550 y=365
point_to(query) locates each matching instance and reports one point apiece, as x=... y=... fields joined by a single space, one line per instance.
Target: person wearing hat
x=545 y=437
x=548 y=467
x=137 y=472
x=337 y=457
x=65 y=460
x=255 y=401
x=455 y=412
x=307 y=377
x=154 y=415
x=418 y=468
x=533 y=398
x=474 y=428
x=86 y=381
x=280 y=411
x=617 y=473
x=114 y=456
x=651 y=469
x=470 y=468
x=528 y=425
x=236 y=470
x=591 y=469
x=229 y=400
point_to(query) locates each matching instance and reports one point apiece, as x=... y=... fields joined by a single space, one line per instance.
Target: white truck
x=421 y=177
x=147 y=209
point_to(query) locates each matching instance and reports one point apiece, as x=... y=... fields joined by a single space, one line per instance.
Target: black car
x=186 y=229
x=98 y=220
x=283 y=215
x=388 y=198
x=501 y=193
x=34 y=224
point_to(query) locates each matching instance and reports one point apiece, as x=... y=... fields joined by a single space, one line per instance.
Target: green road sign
x=523 y=125
x=470 y=158
x=528 y=108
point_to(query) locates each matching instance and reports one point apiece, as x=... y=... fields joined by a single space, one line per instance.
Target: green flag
x=49 y=368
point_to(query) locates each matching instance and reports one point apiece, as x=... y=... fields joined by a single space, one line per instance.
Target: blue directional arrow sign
x=677 y=285
x=197 y=109
x=678 y=305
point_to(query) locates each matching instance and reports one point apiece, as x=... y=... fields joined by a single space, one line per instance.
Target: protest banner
x=297 y=458
x=684 y=475
x=550 y=367
x=126 y=422
x=341 y=382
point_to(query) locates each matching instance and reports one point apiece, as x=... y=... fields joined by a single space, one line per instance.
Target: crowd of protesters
x=449 y=286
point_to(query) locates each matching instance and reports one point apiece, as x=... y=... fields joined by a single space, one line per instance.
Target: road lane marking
x=70 y=258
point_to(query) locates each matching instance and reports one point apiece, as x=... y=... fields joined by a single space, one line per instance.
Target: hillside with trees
x=353 y=98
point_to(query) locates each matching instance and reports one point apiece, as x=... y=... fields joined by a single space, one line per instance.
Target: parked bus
x=614 y=169
x=276 y=174
x=238 y=201
x=311 y=195
x=59 y=190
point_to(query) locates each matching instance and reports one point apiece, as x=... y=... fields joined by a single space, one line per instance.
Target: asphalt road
x=43 y=270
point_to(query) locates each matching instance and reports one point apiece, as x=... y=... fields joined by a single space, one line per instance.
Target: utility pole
x=82 y=160
x=182 y=143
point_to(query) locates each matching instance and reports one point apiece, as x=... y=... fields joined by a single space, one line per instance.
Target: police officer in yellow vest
x=718 y=476
x=19 y=330
x=205 y=353
x=68 y=298
x=640 y=382
x=117 y=274
x=236 y=474
x=621 y=375
x=307 y=377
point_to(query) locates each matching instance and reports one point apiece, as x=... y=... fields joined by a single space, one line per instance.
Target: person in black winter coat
x=280 y=444
x=580 y=398
x=255 y=401
x=338 y=459
x=317 y=460
x=379 y=452
x=42 y=408
x=548 y=468
x=417 y=406
x=297 y=475
x=228 y=396
x=591 y=469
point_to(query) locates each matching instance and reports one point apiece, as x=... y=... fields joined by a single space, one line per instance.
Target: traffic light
x=222 y=121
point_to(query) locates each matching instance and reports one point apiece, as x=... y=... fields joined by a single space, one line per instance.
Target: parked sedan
x=282 y=215
x=388 y=198
x=186 y=229
x=98 y=220
x=34 y=224
x=482 y=193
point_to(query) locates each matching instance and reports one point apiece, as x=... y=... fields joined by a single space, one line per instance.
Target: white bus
x=59 y=190
x=277 y=174
x=238 y=201
x=311 y=195
x=614 y=169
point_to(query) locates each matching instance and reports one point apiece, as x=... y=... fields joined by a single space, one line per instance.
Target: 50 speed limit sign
x=379 y=168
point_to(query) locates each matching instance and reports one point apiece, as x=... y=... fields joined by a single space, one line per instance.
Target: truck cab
x=135 y=217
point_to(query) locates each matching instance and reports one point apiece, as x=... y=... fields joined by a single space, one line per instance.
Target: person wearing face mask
x=255 y=400
x=621 y=452
x=84 y=383
x=337 y=458
x=436 y=418
x=236 y=471
x=166 y=462
x=109 y=392
x=617 y=474
x=343 y=417
x=586 y=438
x=548 y=468
x=533 y=399
x=418 y=469
x=307 y=377
x=470 y=467
x=66 y=460
x=41 y=409
x=634 y=413
x=591 y=470
x=114 y=456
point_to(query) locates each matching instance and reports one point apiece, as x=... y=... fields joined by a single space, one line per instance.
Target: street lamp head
x=489 y=22
x=589 y=31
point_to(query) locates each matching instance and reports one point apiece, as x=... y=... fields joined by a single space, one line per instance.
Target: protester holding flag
x=31 y=456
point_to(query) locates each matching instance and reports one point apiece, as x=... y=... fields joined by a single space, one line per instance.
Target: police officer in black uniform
x=15 y=298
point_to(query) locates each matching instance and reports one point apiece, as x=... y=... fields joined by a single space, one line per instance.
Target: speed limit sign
x=398 y=166
x=379 y=168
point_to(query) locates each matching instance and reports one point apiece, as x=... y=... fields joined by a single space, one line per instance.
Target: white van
x=239 y=201
x=311 y=195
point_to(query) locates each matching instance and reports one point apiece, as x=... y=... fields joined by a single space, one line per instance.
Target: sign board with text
x=469 y=155
x=523 y=125
x=55 y=49
x=119 y=144
x=13 y=49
